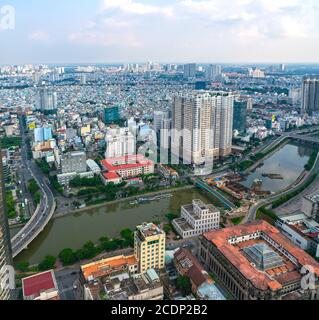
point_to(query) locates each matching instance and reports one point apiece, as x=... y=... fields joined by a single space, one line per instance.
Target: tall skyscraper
x=202 y=124
x=158 y=118
x=111 y=114
x=120 y=142
x=310 y=94
x=190 y=70
x=250 y=104
x=213 y=72
x=47 y=100
x=54 y=76
x=165 y=133
x=83 y=78
x=36 y=76
x=5 y=244
x=240 y=115
x=162 y=125
x=295 y=96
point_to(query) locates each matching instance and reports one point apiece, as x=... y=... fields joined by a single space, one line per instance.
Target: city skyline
x=160 y=150
x=111 y=31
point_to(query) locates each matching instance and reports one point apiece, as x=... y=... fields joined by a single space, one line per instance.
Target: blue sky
x=93 y=31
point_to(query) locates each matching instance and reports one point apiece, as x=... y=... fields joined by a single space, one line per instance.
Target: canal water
x=288 y=161
x=72 y=231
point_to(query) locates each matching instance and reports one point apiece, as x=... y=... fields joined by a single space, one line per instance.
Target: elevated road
x=304 y=138
x=297 y=135
x=203 y=185
x=45 y=209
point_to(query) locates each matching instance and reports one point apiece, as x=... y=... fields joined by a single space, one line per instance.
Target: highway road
x=45 y=209
x=292 y=134
x=264 y=148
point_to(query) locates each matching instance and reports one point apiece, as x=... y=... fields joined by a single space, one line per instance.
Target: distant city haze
x=110 y=31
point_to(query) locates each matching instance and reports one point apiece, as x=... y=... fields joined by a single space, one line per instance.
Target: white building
x=93 y=166
x=165 y=135
x=213 y=72
x=301 y=230
x=203 y=120
x=257 y=73
x=197 y=218
x=310 y=206
x=190 y=70
x=73 y=162
x=119 y=142
x=295 y=96
x=132 y=126
x=47 y=100
x=65 y=178
x=158 y=118
x=250 y=104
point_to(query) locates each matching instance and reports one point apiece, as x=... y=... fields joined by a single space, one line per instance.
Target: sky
x=120 y=31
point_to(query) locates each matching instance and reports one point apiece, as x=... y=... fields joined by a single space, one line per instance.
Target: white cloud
x=203 y=29
x=277 y=5
x=134 y=7
x=115 y=23
x=39 y=36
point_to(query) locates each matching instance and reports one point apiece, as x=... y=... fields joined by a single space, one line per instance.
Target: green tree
x=171 y=216
x=55 y=184
x=37 y=197
x=184 y=285
x=76 y=204
x=48 y=263
x=33 y=187
x=8 y=142
x=119 y=243
x=22 y=266
x=167 y=228
x=86 y=182
x=128 y=236
x=44 y=166
x=10 y=204
x=87 y=252
x=67 y=256
x=107 y=244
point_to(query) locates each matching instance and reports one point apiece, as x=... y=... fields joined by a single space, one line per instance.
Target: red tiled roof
x=289 y=277
x=128 y=162
x=105 y=266
x=220 y=239
x=111 y=176
x=191 y=266
x=34 y=285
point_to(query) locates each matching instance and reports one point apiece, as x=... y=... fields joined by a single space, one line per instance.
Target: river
x=72 y=231
x=289 y=161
